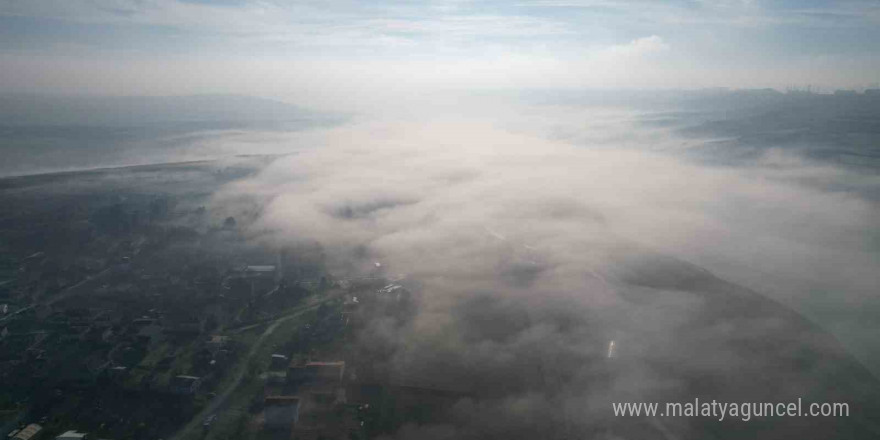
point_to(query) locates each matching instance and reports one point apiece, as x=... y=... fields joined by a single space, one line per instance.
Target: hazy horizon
x=502 y=216
x=340 y=54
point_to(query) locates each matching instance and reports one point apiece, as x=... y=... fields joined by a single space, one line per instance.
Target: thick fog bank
x=532 y=252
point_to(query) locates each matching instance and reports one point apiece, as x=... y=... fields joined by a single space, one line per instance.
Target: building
x=71 y=435
x=216 y=343
x=260 y=270
x=209 y=421
x=320 y=388
x=279 y=361
x=324 y=372
x=254 y=280
x=282 y=412
x=393 y=293
x=185 y=385
x=117 y=374
x=150 y=333
x=350 y=305
x=26 y=433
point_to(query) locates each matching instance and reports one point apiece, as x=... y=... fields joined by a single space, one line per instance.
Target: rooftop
x=186 y=378
x=27 y=432
x=266 y=268
x=71 y=435
x=281 y=400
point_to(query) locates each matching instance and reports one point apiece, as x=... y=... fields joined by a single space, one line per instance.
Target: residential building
x=282 y=412
x=26 y=433
x=71 y=435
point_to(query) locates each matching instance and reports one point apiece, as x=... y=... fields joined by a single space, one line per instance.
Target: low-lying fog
x=533 y=232
x=465 y=192
x=532 y=229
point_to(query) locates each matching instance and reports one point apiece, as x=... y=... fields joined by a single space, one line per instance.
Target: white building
x=71 y=435
x=26 y=433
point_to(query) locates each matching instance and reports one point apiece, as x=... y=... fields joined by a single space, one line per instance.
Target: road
x=241 y=369
x=64 y=294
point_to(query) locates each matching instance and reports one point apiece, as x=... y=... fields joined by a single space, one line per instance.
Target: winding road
x=241 y=369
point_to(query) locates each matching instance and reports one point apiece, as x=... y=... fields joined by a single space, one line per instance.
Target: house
x=165 y=363
x=260 y=270
x=393 y=292
x=26 y=433
x=326 y=372
x=185 y=385
x=319 y=384
x=150 y=333
x=184 y=330
x=216 y=342
x=262 y=278
x=350 y=305
x=278 y=362
x=282 y=412
x=117 y=374
x=71 y=435
x=256 y=271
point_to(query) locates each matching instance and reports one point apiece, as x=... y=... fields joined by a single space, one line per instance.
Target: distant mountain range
x=139 y=111
x=43 y=133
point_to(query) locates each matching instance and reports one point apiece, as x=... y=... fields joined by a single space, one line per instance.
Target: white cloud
x=522 y=246
x=359 y=49
x=436 y=195
x=638 y=47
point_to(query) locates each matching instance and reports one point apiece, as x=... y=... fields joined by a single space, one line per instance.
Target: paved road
x=64 y=294
x=241 y=370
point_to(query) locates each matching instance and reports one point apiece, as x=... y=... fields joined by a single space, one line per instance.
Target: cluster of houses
x=304 y=405
x=35 y=431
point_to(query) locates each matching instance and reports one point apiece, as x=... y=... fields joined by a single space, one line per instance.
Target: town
x=139 y=314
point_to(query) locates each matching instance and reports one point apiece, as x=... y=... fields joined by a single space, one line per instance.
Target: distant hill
x=43 y=133
x=131 y=111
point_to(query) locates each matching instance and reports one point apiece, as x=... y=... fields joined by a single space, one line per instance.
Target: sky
x=351 y=50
